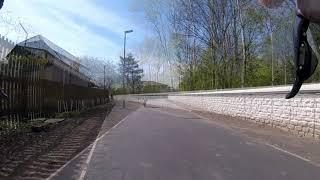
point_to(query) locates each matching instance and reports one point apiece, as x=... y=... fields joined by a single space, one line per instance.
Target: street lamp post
x=123 y=66
x=124 y=55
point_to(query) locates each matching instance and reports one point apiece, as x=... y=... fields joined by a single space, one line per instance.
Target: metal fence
x=31 y=96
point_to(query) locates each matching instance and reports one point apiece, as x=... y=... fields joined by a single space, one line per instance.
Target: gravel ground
x=36 y=155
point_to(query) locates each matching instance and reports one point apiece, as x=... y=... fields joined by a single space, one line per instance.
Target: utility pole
x=104 y=77
x=104 y=83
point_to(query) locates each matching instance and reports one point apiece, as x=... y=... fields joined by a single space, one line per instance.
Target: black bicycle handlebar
x=304 y=57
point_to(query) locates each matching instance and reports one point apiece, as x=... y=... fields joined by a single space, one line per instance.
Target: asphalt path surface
x=167 y=144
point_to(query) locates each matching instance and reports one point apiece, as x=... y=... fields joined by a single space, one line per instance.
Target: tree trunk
x=243 y=74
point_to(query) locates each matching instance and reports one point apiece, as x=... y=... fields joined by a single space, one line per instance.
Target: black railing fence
x=31 y=94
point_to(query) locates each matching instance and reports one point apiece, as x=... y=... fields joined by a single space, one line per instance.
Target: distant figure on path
x=144 y=102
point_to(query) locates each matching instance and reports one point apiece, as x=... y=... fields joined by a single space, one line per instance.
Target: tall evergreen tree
x=131 y=73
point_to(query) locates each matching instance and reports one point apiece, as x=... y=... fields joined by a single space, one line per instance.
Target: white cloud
x=52 y=19
x=90 y=11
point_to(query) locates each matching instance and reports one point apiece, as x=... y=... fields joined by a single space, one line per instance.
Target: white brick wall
x=267 y=105
x=300 y=116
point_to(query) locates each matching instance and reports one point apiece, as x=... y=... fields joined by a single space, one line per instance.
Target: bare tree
x=221 y=44
x=102 y=72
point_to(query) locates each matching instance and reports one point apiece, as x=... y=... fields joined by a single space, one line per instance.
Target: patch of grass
x=70 y=114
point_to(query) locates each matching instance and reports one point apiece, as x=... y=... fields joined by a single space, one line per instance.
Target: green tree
x=218 y=44
x=131 y=73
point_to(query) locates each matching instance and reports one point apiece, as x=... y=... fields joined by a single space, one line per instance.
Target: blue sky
x=82 y=27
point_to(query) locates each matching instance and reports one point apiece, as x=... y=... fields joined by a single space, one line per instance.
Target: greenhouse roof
x=40 y=42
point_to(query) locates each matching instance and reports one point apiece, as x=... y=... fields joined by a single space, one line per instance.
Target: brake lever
x=304 y=58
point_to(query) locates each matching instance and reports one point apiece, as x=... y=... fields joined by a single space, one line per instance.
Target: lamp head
x=129 y=31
